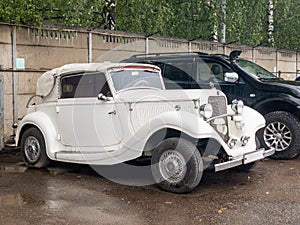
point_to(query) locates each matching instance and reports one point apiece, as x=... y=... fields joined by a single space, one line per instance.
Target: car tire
x=33 y=148
x=177 y=165
x=282 y=132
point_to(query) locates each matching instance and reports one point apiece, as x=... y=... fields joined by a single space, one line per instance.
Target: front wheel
x=177 y=165
x=282 y=132
x=34 y=149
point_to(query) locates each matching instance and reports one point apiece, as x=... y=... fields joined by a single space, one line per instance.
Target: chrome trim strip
x=228 y=164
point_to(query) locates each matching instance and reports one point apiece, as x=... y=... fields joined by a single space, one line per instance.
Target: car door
x=83 y=119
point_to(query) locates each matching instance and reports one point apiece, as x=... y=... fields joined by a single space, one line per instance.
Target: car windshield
x=136 y=78
x=255 y=69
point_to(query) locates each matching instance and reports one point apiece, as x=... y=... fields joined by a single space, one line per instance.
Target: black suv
x=277 y=99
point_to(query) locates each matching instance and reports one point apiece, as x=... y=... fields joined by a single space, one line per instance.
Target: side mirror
x=102 y=97
x=231 y=77
x=234 y=55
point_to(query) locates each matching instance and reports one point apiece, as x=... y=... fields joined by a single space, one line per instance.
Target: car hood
x=285 y=86
x=146 y=104
x=152 y=95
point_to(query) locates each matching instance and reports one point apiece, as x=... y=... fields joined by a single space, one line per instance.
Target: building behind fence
x=27 y=52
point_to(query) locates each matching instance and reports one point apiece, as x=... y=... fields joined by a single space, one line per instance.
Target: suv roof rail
x=167 y=54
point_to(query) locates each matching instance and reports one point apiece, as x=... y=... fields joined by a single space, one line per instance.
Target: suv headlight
x=237 y=106
x=206 y=110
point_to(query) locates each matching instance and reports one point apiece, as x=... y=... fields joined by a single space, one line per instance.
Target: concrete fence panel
x=26 y=52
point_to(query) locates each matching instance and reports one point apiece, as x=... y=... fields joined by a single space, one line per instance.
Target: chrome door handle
x=112 y=112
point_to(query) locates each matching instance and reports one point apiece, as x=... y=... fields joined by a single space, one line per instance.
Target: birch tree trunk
x=271 y=23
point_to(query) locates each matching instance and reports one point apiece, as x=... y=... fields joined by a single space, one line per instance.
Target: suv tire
x=282 y=132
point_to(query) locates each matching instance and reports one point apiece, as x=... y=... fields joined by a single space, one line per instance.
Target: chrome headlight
x=206 y=110
x=237 y=106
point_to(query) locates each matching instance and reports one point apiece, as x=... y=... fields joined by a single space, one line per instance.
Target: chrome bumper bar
x=247 y=158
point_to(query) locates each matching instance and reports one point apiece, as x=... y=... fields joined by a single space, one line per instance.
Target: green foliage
x=192 y=19
x=246 y=21
x=19 y=12
x=69 y=13
x=142 y=16
x=287 y=24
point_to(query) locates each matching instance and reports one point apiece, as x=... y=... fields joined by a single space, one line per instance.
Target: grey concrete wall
x=51 y=47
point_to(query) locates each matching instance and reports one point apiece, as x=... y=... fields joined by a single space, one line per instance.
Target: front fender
x=253 y=119
x=185 y=122
x=45 y=125
x=195 y=127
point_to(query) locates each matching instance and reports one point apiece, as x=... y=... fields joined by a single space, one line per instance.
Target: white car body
x=123 y=125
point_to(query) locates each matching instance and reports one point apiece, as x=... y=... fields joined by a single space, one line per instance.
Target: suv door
x=83 y=120
x=177 y=74
x=232 y=90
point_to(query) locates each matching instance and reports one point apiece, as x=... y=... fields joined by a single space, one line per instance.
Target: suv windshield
x=135 y=78
x=255 y=69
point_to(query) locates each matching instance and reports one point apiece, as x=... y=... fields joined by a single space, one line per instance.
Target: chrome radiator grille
x=219 y=108
x=219 y=105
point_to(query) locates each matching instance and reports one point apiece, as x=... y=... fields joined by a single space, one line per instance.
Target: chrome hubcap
x=32 y=149
x=172 y=166
x=277 y=135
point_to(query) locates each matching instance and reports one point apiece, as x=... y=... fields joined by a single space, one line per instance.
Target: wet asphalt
x=76 y=194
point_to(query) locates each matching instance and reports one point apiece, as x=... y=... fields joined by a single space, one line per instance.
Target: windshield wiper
x=117 y=70
x=150 y=71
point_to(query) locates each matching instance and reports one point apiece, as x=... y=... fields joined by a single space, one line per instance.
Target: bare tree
x=108 y=15
x=210 y=5
x=271 y=23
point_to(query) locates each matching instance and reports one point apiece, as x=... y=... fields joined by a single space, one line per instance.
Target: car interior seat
x=215 y=69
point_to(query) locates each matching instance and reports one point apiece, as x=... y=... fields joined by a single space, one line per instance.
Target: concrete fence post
x=297 y=66
x=253 y=54
x=90 y=47
x=1 y=113
x=190 y=47
x=276 y=63
x=147 y=45
x=14 y=74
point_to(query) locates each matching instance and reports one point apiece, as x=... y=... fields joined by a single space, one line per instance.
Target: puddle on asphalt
x=15 y=200
x=13 y=168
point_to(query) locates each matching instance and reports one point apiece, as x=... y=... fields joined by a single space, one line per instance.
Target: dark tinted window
x=84 y=85
x=210 y=70
x=190 y=72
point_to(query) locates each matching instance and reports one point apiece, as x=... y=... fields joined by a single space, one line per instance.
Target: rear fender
x=42 y=122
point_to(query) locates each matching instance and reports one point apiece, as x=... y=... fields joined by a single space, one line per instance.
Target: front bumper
x=247 y=158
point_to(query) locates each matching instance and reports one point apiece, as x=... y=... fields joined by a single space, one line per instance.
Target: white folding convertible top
x=45 y=86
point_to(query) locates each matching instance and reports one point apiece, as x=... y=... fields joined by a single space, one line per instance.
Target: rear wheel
x=177 y=165
x=34 y=149
x=282 y=132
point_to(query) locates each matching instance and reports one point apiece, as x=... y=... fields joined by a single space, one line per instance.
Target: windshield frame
x=260 y=72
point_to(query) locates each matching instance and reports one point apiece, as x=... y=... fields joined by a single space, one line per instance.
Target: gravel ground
x=76 y=194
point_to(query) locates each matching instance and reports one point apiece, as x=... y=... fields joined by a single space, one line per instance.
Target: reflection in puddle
x=52 y=204
x=56 y=205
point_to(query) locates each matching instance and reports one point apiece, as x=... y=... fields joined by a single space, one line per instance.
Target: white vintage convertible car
x=105 y=114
